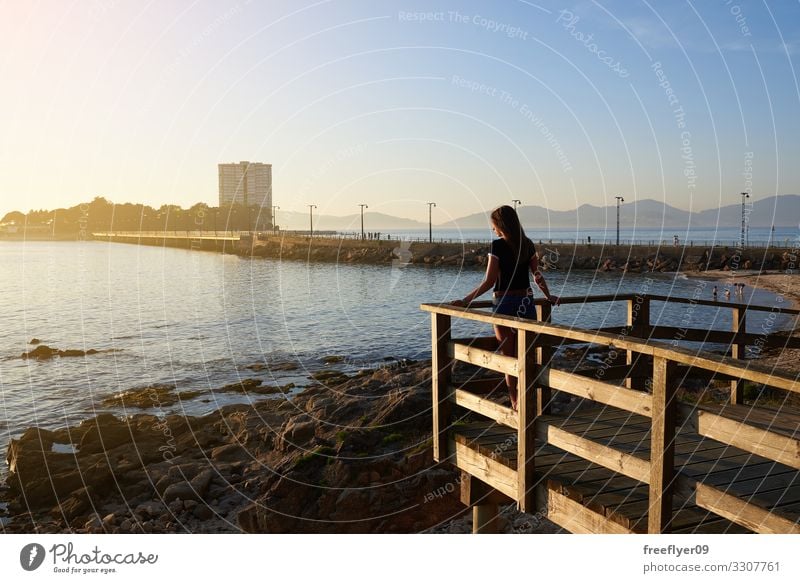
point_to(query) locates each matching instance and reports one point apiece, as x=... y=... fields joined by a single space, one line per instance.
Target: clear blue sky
x=469 y=105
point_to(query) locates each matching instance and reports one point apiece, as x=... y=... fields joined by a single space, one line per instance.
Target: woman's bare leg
x=508 y=346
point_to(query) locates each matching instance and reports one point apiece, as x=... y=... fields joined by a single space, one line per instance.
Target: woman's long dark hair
x=506 y=220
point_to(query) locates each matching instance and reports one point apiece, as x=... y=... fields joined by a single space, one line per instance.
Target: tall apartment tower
x=248 y=184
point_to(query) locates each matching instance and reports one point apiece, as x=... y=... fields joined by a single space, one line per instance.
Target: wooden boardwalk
x=638 y=460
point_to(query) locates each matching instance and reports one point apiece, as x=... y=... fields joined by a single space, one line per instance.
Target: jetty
x=636 y=459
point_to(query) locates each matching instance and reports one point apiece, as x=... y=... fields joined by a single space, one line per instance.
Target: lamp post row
x=311 y=208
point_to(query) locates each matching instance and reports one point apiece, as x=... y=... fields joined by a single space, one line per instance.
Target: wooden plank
x=638 y=321
x=724 y=365
x=720 y=526
x=662 y=448
x=527 y=405
x=593 y=415
x=603 y=455
x=500 y=448
x=768 y=444
x=441 y=365
x=578 y=519
x=736 y=510
x=781 y=422
x=716 y=336
x=738 y=328
x=474 y=491
x=544 y=354
x=485 y=342
x=718 y=304
x=601 y=392
x=556 y=331
x=483 y=358
x=494 y=411
x=490 y=471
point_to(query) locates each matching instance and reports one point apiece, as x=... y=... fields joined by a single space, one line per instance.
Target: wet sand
x=786 y=286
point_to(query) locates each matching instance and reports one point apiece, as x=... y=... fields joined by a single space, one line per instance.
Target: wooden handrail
x=708 y=361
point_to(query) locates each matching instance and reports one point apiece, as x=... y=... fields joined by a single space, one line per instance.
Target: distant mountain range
x=780 y=211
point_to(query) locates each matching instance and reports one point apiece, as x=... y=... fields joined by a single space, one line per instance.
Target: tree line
x=103 y=215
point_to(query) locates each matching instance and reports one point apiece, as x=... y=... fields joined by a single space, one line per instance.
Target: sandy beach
x=786 y=286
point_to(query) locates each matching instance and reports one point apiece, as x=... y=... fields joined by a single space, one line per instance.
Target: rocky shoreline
x=346 y=455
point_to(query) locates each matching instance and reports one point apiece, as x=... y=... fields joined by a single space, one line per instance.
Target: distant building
x=248 y=184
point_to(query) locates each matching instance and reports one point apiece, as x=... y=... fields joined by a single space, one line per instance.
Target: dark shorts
x=519 y=306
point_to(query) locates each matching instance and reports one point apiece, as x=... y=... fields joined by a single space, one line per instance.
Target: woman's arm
x=492 y=271
x=539 y=279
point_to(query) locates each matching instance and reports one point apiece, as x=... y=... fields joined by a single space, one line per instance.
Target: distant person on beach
x=510 y=258
x=727 y=294
x=714 y=292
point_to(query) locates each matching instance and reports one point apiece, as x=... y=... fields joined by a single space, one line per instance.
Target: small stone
x=182 y=490
x=93 y=523
x=148 y=509
x=176 y=505
x=228 y=452
x=163 y=484
x=202 y=481
x=203 y=512
x=109 y=520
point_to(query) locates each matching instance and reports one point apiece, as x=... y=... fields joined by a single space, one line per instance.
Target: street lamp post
x=515 y=202
x=311 y=208
x=430 y=221
x=744 y=196
x=363 y=206
x=619 y=200
x=274 y=208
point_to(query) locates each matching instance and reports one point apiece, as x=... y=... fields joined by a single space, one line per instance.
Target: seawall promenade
x=563 y=256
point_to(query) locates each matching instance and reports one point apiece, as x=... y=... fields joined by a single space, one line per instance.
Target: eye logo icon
x=31 y=556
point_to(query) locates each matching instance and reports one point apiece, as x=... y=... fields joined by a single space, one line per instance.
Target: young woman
x=510 y=258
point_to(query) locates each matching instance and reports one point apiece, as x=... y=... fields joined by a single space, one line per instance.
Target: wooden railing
x=650 y=365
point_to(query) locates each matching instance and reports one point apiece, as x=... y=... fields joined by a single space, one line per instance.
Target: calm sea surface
x=198 y=320
x=720 y=236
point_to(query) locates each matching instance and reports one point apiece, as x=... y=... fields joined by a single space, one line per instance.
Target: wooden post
x=638 y=323
x=441 y=365
x=737 y=351
x=544 y=352
x=484 y=518
x=526 y=403
x=662 y=448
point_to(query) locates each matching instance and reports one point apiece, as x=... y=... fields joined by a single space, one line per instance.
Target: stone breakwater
x=632 y=259
x=349 y=454
x=565 y=257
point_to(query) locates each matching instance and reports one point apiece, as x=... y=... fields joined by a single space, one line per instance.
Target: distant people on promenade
x=510 y=259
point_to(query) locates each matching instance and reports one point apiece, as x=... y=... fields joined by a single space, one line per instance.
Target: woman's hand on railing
x=458 y=303
x=554 y=300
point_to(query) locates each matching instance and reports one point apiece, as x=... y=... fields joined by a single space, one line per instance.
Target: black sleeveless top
x=513 y=271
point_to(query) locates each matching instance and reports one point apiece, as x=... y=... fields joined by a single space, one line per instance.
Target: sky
x=398 y=103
